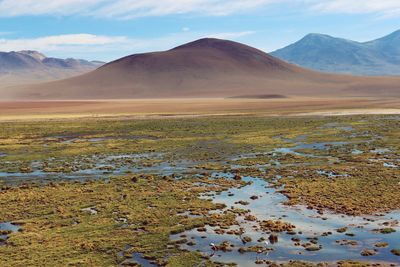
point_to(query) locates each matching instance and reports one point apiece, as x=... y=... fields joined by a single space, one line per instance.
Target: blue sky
x=109 y=29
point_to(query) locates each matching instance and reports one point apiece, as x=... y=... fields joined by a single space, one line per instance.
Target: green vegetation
x=138 y=212
x=366 y=190
x=103 y=222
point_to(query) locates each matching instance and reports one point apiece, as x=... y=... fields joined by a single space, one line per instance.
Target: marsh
x=83 y=192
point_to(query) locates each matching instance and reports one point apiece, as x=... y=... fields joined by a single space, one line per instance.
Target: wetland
x=207 y=191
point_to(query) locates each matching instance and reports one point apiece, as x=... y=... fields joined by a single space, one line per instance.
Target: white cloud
x=379 y=7
x=127 y=9
x=100 y=47
x=10 y=8
x=51 y=43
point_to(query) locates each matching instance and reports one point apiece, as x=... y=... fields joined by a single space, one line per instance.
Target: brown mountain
x=205 y=68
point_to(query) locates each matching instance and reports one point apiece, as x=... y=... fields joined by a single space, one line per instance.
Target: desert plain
x=179 y=107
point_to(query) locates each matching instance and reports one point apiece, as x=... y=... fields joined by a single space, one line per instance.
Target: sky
x=109 y=29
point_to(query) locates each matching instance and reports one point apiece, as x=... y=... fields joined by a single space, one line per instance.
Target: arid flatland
x=10 y=110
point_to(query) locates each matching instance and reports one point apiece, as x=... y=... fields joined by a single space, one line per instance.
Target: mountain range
x=31 y=66
x=380 y=57
x=205 y=68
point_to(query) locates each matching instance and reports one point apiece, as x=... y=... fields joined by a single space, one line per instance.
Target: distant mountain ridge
x=204 y=68
x=380 y=57
x=31 y=66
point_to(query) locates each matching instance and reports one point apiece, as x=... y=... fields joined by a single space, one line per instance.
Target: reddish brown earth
x=205 y=68
x=147 y=108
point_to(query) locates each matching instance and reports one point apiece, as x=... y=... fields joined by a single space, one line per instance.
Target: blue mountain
x=325 y=53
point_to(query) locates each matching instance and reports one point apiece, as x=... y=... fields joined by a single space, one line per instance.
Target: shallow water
x=102 y=166
x=331 y=174
x=7 y=226
x=99 y=166
x=357 y=152
x=143 y=262
x=296 y=149
x=310 y=223
x=380 y=151
x=134 y=259
x=339 y=126
x=68 y=139
x=390 y=165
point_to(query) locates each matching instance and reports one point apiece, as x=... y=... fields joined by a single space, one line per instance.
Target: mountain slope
x=388 y=47
x=204 y=68
x=329 y=54
x=31 y=66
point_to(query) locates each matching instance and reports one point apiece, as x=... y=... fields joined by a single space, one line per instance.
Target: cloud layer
x=129 y=9
x=126 y=9
x=380 y=7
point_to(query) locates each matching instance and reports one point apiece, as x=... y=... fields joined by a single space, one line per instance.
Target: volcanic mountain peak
x=229 y=47
x=212 y=43
x=208 y=55
x=203 y=42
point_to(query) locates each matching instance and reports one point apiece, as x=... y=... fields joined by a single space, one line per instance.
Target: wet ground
x=317 y=237
x=310 y=226
x=7 y=228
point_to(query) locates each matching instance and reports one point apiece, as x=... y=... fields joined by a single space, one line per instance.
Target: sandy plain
x=147 y=108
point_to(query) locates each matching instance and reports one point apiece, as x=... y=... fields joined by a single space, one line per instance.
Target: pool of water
x=390 y=165
x=101 y=167
x=134 y=259
x=309 y=225
x=68 y=139
x=7 y=227
x=357 y=152
x=339 y=126
x=380 y=151
x=296 y=149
